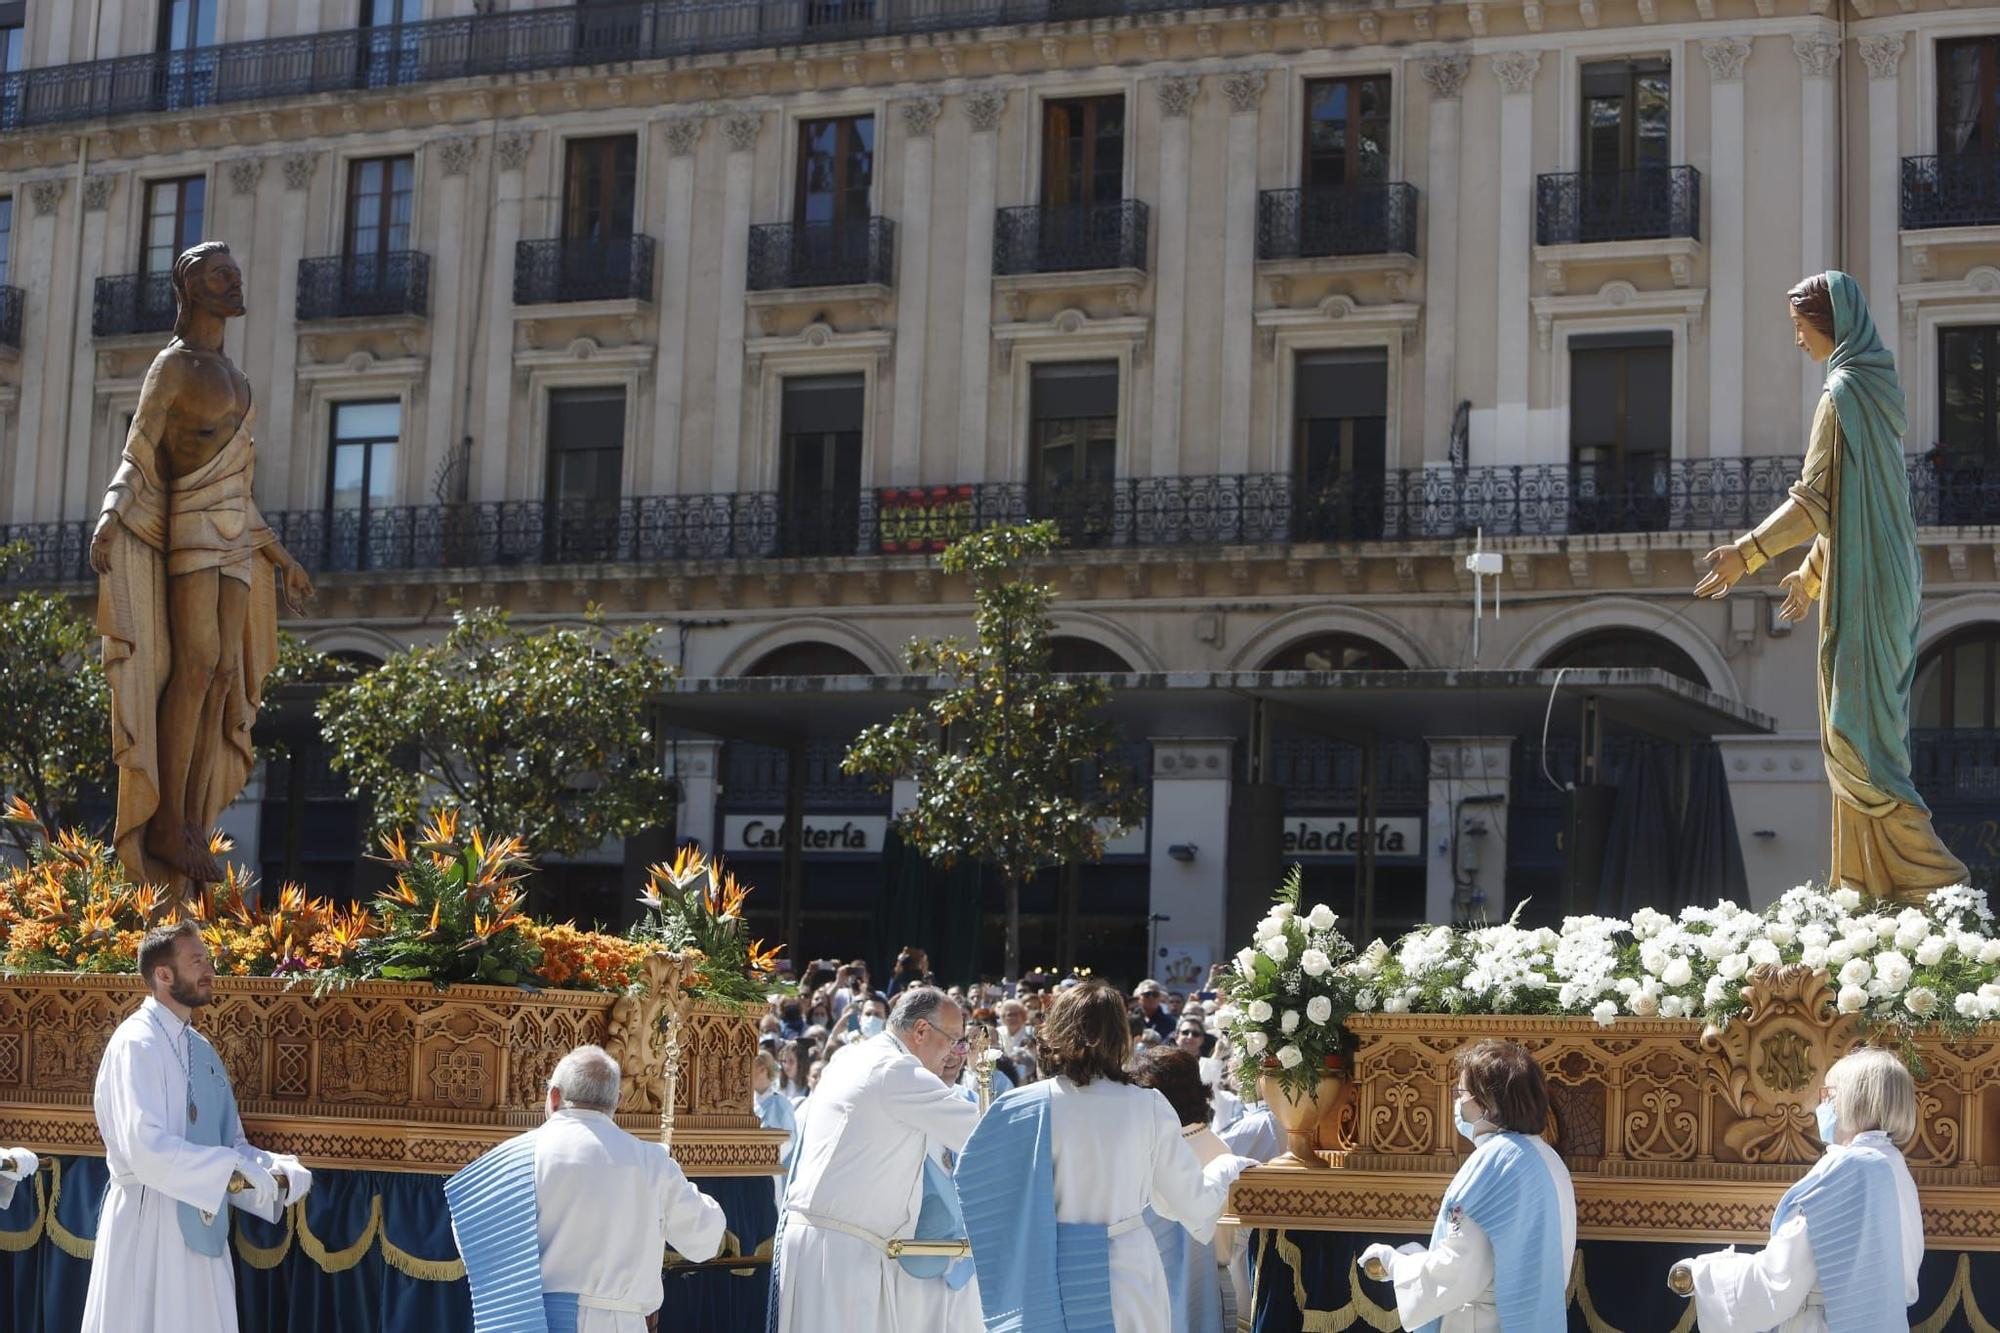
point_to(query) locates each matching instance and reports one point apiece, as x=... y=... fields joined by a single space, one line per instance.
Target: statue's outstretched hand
x=100 y=543
x=1725 y=567
x=1797 y=600
x=298 y=587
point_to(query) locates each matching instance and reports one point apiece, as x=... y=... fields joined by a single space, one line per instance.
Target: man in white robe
x=17 y=1165
x=604 y=1206
x=857 y=1181
x=172 y=1143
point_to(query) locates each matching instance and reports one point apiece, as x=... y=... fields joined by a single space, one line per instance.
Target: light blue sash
x=494 y=1216
x=213 y=1126
x=1506 y=1188
x=1854 y=1224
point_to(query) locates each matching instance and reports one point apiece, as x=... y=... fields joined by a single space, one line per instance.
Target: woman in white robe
x=1847 y=1240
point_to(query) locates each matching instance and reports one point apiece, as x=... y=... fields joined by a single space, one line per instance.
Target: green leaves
x=55 y=739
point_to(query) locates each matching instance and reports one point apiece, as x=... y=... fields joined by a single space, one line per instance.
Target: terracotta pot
x=1299 y=1116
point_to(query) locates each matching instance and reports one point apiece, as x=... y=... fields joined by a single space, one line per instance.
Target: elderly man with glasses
x=863 y=1180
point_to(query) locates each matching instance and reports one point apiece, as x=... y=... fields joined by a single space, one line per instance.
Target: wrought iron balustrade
x=1070 y=238
x=349 y=286
x=1961 y=764
x=822 y=254
x=1951 y=190
x=1640 y=204
x=12 y=304
x=576 y=269
x=1370 y=219
x=132 y=303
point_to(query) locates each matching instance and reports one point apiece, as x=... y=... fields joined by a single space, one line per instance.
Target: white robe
x=607 y=1206
x=1777 y=1288
x=1254 y=1135
x=860 y=1162
x=1452 y=1281
x=25 y=1165
x=1117 y=1149
x=142 y=1273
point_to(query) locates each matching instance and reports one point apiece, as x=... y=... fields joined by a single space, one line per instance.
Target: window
x=820 y=464
x=13 y=35
x=1347 y=132
x=1620 y=431
x=1073 y=656
x=1083 y=152
x=377 y=225
x=1968 y=110
x=185 y=24
x=836 y=170
x=1335 y=652
x=1340 y=413
x=1625 y=648
x=599 y=188
x=1958 y=687
x=173 y=222
x=361 y=481
x=808 y=659
x=1073 y=448
x=1625 y=119
x=6 y=239
x=390 y=49
x=1969 y=393
x=586 y=448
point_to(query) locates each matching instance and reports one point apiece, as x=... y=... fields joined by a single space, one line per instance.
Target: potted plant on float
x=1290 y=997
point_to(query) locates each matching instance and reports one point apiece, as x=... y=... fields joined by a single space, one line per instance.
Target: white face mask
x=870 y=1025
x=1466 y=1126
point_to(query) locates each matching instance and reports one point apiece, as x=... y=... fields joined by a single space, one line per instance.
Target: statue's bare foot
x=185 y=851
x=200 y=864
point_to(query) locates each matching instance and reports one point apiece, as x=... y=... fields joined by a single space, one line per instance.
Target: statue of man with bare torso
x=186 y=598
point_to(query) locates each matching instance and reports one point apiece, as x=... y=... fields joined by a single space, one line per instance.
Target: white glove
x=25 y=1163
x=298 y=1179
x=263 y=1192
x=1382 y=1254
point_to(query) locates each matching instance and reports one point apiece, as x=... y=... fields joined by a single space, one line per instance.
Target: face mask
x=1828 y=1122
x=1465 y=1126
x=870 y=1025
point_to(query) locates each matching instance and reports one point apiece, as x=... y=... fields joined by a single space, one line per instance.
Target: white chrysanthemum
x=1856 y=972
x=1315 y=962
x=1321 y=917
x=1364 y=1000
x=1714 y=993
x=1852 y=999
x=1290 y=1056
x=1921 y=1001
x=1289 y=1023
x=1679 y=972
x=1277 y=948
x=1989 y=952
x=1256 y=1043
x=1932 y=951
x=1260 y=1011
x=1319 y=1009
x=1605 y=1012
x=1396 y=1004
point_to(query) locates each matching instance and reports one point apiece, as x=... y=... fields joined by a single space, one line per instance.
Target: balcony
x=1070 y=238
x=1339 y=222
x=12 y=303
x=365 y=286
x=135 y=303
x=569 y=270
x=1642 y=204
x=1951 y=190
x=788 y=256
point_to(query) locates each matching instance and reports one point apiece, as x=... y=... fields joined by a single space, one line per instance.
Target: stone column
x=1516 y=73
x=698 y=765
x=1190 y=808
x=279 y=424
x=245 y=175
x=1462 y=770
x=495 y=443
x=1245 y=91
x=670 y=353
x=1445 y=76
x=1819 y=157
x=726 y=451
x=1779 y=792
x=919 y=116
x=34 y=273
x=80 y=420
x=1725 y=187
x=1883 y=54
x=983 y=109
x=1177 y=94
x=443 y=391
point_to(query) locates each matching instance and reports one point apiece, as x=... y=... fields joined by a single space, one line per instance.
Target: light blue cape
x=1506 y=1188
x=494 y=1217
x=1854 y=1225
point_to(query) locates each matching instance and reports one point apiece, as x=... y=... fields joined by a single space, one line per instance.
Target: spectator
x=1194 y=1272
x=912 y=969
x=1015 y=1033
x=791 y=1018
x=1151 y=1009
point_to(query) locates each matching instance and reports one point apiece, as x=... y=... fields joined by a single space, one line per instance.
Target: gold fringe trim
x=409 y=1265
x=75 y=1246
x=265 y=1257
x=1578 y=1297
x=339 y=1261
x=1960 y=1293
x=14 y=1242
x=1359 y=1310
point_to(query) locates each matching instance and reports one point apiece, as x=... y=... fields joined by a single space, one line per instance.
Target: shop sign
x=1338 y=837
x=825 y=835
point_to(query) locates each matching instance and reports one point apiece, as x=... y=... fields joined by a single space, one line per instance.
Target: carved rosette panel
x=1401 y=1088
x=1768 y=1065
x=1662 y=1106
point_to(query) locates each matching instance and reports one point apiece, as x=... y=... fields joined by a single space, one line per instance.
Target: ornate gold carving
x=1792 y=1013
x=1788 y=1064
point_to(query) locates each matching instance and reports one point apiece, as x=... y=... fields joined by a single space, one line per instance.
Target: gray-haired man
x=597 y=1205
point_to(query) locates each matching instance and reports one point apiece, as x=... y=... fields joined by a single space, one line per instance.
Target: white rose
x=1813 y=958
x=1714 y=947
x=1673 y=1006
x=1968 y=1006
x=1815 y=936
x=1277 y=949
x=1932 y=951
x=1838 y=952
x=1893 y=970
x=1315 y=962
x=1645 y=1004
x=1733 y=967
x=1885 y=928
x=1855 y=972
x=1283 y=911
x=1847 y=900
x=1678 y=973
x=1852 y=999
x=1714 y=993
x=1605 y=1012
x=1290 y=1056
x=1653 y=958
x=1289 y=1023
x=1908 y=937
x=1781 y=933
x=1268 y=927
x=1989 y=952
x=1260 y=1011
x=1321 y=917
x=1763 y=953
x=1256 y=1043
x=1397 y=1004
x=1319 y=1009
x=1246 y=960
x=1921 y=1001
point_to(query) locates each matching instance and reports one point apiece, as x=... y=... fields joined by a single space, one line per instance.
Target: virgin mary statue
x=1852 y=503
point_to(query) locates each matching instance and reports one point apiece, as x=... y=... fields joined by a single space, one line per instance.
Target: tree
x=1004 y=756
x=542 y=735
x=55 y=709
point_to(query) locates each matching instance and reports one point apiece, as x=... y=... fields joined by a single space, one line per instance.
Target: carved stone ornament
x=1516 y=70
x=299 y=170
x=1177 y=93
x=245 y=173
x=97 y=192
x=741 y=131
x=920 y=115
x=983 y=109
x=1725 y=57
x=455 y=155
x=1817 y=53
x=1882 y=53
x=47 y=193
x=683 y=134
x=511 y=150
x=1445 y=76
x=1245 y=91
x=1769 y=1064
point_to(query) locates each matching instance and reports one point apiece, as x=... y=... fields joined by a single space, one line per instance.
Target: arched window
x=1625 y=649
x=1335 y=652
x=809 y=659
x=1068 y=653
x=1958 y=688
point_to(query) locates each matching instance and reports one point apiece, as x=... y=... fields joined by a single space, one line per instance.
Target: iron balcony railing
x=1379 y=218
x=348 y=286
x=577 y=269
x=1070 y=238
x=1641 y=204
x=822 y=254
x=12 y=303
x=1951 y=190
x=132 y=303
